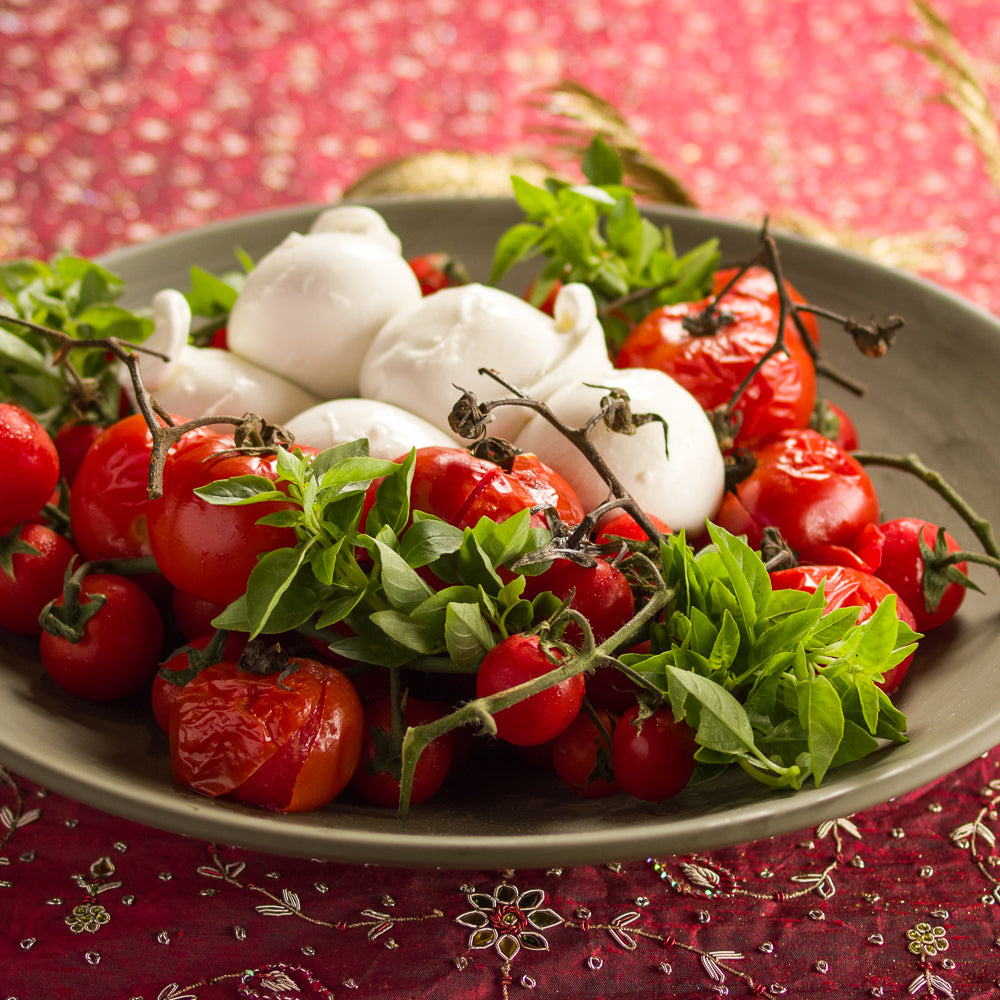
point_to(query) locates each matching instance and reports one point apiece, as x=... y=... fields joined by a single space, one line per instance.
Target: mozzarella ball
x=310 y=308
x=429 y=352
x=391 y=431
x=683 y=489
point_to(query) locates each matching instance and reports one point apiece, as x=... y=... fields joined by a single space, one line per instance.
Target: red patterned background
x=120 y=121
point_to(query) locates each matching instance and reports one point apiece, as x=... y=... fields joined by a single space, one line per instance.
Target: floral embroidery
x=509 y=920
x=926 y=940
x=87 y=917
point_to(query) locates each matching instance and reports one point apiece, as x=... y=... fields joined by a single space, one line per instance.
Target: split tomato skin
x=121 y=645
x=653 y=758
x=38 y=578
x=541 y=717
x=286 y=742
x=379 y=786
x=712 y=366
x=843 y=587
x=815 y=493
x=903 y=569
x=29 y=467
x=206 y=550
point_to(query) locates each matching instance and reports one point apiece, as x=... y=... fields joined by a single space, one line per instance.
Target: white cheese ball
x=391 y=431
x=684 y=489
x=201 y=381
x=428 y=349
x=310 y=308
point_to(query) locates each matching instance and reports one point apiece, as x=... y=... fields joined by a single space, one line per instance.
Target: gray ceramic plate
x=935 y=394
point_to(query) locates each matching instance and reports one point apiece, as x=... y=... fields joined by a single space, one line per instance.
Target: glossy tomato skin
x=29 y=466
x=207 y=550
x=379 y=786
x=73 y=441
x=121 y=644
x=814 y=492
x=37 y=578
x=542 y=716
x=460 y=488
x=193 y=614
x=286 y=742
x=653 y=759
x=711 y=367
x=110 y=495
x=846 y=587
x=581 y=756
x=903 y=567
x=622 y=524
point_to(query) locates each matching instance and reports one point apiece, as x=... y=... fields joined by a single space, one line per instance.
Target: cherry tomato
x=121 y=643
x=608 y=687
x=653 y=758
x=194 y=614
x=542 y=716
x=73 y=441
x=623 y=525
x=435 y=271
x=377 y=776
x=460 y=488
x=834 y=422
x=817 y=495
x=287 y=741
x=108 y=502
x=903 y=568
x=712 y=366
x=29 y=467
x=600 y=593
x=581 y=756
x=846 y=587
x=204 y=549
x=36 y=577
x=181 y=667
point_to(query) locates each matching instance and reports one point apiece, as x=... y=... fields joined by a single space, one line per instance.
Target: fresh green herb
x=593 y=233
x=765 y=678
x=212 y=297
x=75 y=297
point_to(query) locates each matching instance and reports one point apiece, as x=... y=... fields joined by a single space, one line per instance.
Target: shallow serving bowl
x=933 y=394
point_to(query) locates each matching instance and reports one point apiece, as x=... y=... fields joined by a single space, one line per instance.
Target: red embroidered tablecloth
x=120 y=121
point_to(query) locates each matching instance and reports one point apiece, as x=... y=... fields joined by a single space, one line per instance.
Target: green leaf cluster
x=211 y=298
x=595 y=234
x=370 y=570
x=764 y=677
x=73 y=296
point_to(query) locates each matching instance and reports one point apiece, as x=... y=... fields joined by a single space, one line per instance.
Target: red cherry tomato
x=377 y=779
x=834 y=422
x=608 y=687
x=435 y=271
x=181 y=667
x=581 y=756
x=73 y=441
x=846 y=587
x=108 y=502
x=818 y=496
x=29 y=467
x=712 y=366
x=36 y=578
x=653 y=758
x=542 y=716
x=460 y=488
x=287 y=741
x=121 y=643
x=204 y=549
x=194 y=614
x=903 y=568
x=623 y=525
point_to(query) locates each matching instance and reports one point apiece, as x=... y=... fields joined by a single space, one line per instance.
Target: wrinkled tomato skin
x=460 y=488
x=37 y=579
x=287 y=747
x=652 y=759
x=121 y=644
x=815 y=493
x=542 y=716
x=575 y=756
x=380 y=787
x=29 y=466
x=108 y=503
x=845 y=587
x=903 y=567
x=207 y=550
x=712 y=367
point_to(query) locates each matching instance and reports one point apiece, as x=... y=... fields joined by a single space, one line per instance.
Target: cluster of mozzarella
x=331 y=337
